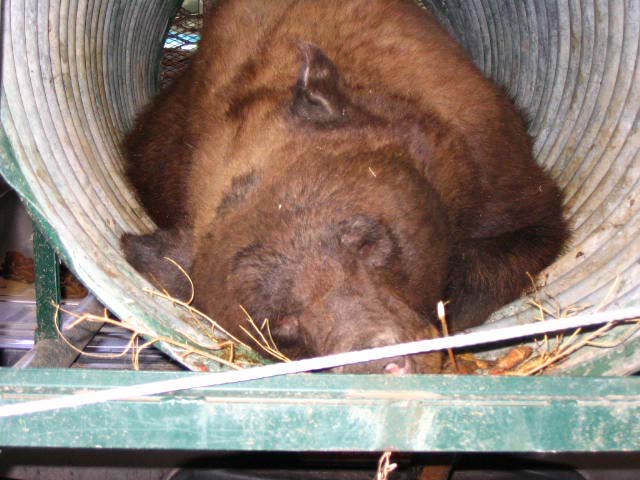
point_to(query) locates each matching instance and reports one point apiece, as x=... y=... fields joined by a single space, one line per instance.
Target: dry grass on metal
x=523 y=360
x=141 y=339
x=134 y=345
x=549 y=352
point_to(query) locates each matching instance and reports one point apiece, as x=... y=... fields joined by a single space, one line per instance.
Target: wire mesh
x=180 y=43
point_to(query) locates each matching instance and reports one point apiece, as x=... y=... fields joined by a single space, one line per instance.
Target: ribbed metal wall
x=75 y=71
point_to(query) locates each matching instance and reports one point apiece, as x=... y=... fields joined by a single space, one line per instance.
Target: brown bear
x=338 y=167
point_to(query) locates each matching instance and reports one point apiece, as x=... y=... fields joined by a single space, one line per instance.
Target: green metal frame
x=47 y=268
x=336 y=413
x=312 y=412
x=319 y=412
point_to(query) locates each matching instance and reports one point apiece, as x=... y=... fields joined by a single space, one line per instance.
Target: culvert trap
x=74 y=73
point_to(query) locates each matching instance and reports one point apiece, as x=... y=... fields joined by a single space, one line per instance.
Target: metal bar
x=311 y=364
x=55 y=352
x=332 y=413
x=47 y=269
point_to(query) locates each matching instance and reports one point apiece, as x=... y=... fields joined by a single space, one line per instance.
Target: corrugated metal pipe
x=74 y=72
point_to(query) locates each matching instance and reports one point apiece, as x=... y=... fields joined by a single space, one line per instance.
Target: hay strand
x=132 y=345
x=263 y=343
x=385 y=467
x=445 y=333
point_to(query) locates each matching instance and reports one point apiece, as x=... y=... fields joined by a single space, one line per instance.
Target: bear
x=337 y=168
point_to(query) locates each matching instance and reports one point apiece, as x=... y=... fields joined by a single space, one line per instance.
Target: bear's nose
x=399 y=366
x=390 y=366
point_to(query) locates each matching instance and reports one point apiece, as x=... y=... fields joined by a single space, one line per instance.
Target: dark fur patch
x=240 y=188
x=148 y=253
x=265 y=285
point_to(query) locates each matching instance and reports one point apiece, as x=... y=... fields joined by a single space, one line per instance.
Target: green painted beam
x=47 y=269
x=333 y=413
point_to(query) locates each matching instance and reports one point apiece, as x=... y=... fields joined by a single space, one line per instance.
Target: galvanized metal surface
x=334 y=413
x=109 y=349
x=75 y=72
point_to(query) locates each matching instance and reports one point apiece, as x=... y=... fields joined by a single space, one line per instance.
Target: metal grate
x=180 y=43
x=182 y=39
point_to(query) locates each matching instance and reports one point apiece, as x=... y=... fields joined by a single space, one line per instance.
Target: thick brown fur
x=339 y=167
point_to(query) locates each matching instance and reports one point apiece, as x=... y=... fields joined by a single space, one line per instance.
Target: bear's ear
x=317 y=96
x=149 y=254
